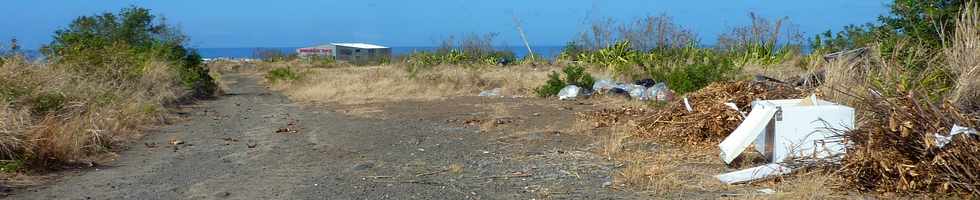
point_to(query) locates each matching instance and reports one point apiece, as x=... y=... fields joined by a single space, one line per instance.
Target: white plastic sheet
x=755 y=173
x=570 y=92
x=603 y=85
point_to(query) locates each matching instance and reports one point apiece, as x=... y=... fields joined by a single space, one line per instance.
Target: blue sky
x=290 y=23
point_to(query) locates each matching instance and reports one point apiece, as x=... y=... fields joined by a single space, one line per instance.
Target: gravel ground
x=257 y=144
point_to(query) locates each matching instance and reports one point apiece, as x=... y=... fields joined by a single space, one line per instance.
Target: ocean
x=519 y=51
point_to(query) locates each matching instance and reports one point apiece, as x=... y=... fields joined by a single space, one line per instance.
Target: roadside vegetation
x=911 y=75
x=909 y=80
x=104 y=78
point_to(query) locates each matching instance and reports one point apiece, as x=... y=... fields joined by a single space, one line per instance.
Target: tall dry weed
x=50 y=115
x=845 y=78
x=354 y=85
x=12 y=124
x=963 y=58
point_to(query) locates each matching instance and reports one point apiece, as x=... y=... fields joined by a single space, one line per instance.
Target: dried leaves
x=711 y=120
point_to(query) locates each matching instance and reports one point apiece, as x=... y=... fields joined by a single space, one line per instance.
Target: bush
x=119 y=47
x=471 y=50
x=574 y=75
x=282 y=74
x=322 y=61
x=700 y=68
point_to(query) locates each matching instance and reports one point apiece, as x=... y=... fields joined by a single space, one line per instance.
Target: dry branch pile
x=895 y=149
x=710 y=122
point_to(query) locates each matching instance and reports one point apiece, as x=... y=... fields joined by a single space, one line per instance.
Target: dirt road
x=257 y=144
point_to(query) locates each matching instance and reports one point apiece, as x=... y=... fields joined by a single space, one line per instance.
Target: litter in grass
x=603 y=85
x=755 y=173
x=491 y=93
x=955 y=130
x=570 y=92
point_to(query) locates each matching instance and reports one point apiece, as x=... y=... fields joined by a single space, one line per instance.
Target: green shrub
x=574 y=75
x=11 y=166
x=9 y=91
x=471 y=50
x=928 y=22
x=322 y=61
x=692 y=77
x=47 y=102
x=118 y=47
x=282 y=74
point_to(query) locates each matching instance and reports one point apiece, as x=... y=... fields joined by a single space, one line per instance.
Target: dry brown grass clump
x=355 y=85
x=52 y=116
x=963 y=58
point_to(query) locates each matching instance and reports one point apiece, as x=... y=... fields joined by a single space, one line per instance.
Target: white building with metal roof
x=350 y=52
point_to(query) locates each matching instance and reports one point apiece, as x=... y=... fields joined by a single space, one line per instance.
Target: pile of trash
x=707 y=116
x=900 y=145
x=905 y=146
x=643 y=90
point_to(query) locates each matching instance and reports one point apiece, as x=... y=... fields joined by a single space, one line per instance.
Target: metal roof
x=360 y=45
x=319 y=46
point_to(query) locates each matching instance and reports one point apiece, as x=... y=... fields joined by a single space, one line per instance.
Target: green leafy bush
x=471 y=50
x=10 y=166
x=282 y=74
x=574 y=75
x=694 y=76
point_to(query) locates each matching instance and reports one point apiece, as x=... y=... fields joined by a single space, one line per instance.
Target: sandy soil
x=257 y=144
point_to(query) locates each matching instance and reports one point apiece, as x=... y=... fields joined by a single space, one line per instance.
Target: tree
x=119 y=45
x=925 y=22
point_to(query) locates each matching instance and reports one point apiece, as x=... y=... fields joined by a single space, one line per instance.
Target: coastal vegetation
x=105 y=77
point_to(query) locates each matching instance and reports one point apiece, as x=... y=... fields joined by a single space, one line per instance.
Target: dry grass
x=93 y=113
x=671 y=172
x=455 y=168
x=808 y=185
x=843 y=75
x=500 y=114
x=901 y=110
x=782 y=71
x=963 y=58
x=612 y=143
x=12 y=122
x=356 y=85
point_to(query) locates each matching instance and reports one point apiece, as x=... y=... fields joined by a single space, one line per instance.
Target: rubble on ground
x=898 y=145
